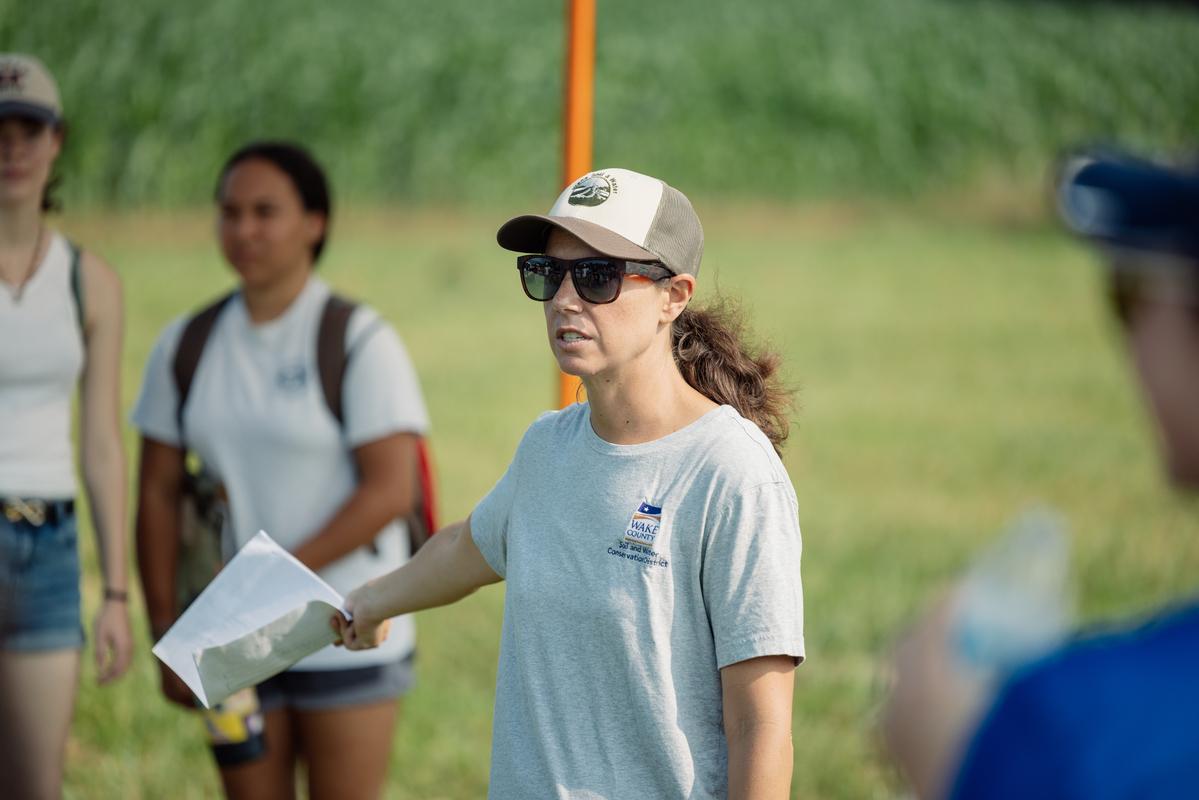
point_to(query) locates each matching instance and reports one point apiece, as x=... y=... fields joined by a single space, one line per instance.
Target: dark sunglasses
x=597 y=279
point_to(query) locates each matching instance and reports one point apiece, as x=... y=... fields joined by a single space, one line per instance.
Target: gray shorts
x=321 y=690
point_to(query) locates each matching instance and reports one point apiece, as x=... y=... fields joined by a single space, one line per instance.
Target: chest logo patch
x=292 y=378
x=641 y=534
x=644 y=525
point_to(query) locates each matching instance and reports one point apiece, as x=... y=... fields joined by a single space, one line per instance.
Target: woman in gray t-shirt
x=649 y=537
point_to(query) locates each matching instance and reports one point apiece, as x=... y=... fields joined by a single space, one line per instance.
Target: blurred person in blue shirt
x=1108 y=715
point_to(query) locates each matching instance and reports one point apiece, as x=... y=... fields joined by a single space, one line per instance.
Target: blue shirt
x=1107 y=716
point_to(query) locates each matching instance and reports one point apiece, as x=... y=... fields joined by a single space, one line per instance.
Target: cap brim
x=528 y=234
x=1135 y=205
x=19 y=108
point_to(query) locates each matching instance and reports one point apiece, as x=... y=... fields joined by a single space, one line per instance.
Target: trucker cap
x=27 y=89
x=620 y=213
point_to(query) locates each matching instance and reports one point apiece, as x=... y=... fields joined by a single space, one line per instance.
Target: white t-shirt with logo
x=256 y=415
x=634 y=574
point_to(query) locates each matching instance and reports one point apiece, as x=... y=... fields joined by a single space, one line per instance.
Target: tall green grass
x=953 y=370
x=461 y=101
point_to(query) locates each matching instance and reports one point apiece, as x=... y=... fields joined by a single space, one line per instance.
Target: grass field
x=955 y=366
x=455 y=100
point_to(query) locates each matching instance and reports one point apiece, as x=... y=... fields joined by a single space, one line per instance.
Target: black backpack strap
x=331 y=354
x=77 y=287
x=190 y=348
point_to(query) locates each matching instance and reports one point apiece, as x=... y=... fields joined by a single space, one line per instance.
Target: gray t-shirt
x=634 y=573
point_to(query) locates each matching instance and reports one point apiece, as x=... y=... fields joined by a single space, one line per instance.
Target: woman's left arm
x=103 y=457
x=757 y=723
x=386 y=490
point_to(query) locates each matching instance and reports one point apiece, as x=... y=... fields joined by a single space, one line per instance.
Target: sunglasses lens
x=598 y=280
x=541 y=277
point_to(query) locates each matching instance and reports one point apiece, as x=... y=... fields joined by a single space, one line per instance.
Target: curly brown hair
x=711 y=352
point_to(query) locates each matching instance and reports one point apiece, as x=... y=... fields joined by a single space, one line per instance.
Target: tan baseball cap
x=27 y=89
x=620 y=213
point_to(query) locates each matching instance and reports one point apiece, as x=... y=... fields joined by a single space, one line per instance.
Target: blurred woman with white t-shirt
x=330 y=491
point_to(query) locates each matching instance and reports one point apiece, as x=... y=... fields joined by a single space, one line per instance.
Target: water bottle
x=235 y=728
x=1015 y=602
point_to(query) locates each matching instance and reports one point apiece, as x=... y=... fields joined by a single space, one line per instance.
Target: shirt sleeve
x=154 y=412
x=489 y=523
x=381 y=393
x=491 y=519
x=751 y=581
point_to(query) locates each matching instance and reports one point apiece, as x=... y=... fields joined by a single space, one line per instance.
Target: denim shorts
x=313 y=690
x=39 y=585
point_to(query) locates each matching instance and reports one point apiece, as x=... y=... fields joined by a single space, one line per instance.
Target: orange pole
x=577 y=117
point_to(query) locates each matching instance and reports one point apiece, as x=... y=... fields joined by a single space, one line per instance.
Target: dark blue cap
x=1132 y=204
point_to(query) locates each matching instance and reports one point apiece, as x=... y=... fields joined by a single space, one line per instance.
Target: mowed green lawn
x=955 y=366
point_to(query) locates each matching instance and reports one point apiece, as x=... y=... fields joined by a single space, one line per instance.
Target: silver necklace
x=19 y=290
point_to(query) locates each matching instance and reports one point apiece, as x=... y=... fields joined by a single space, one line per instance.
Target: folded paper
x=262 y=613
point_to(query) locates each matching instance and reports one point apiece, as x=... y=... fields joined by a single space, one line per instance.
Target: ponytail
x=711 y=353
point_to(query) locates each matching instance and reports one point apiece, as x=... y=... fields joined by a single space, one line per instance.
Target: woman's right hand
x=174 y=689
x=366 y=628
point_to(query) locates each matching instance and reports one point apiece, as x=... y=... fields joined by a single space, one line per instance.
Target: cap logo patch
x=11 y=77
x=590 y=190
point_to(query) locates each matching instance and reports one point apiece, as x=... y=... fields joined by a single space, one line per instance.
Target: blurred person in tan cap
x=1109 y=714
x=60 y=325
x=649 y=537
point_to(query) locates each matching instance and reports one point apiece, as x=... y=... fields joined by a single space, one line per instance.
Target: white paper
x=262 y=613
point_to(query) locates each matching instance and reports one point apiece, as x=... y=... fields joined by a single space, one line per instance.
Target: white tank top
x=41 y=357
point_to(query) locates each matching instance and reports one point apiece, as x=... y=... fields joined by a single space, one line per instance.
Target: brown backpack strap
x=331 y=354
x=191 y=347
x=332 y=358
